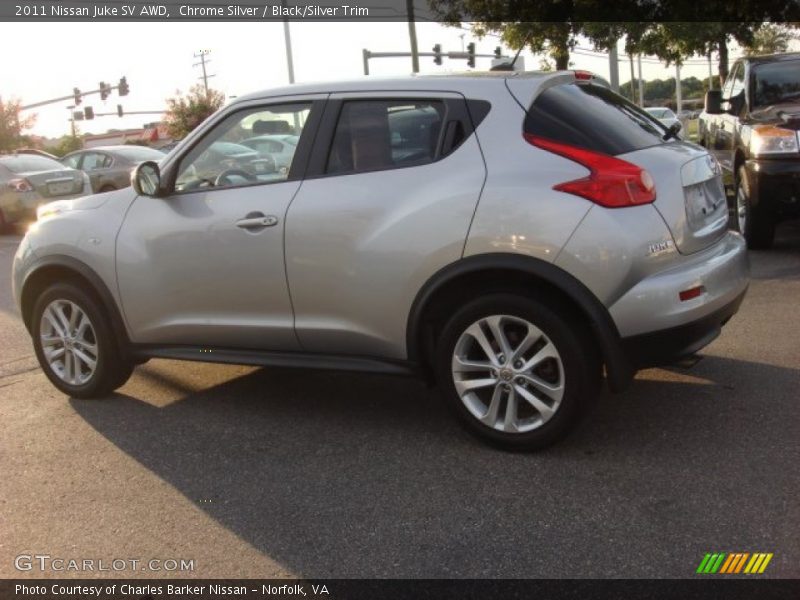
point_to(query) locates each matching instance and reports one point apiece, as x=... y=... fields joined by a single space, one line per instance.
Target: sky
x=47 y=60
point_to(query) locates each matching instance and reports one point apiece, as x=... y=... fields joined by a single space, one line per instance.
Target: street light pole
x=412 y=34
x=287 y=37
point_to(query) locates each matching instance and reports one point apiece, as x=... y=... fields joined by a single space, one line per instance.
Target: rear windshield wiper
x=672 y=131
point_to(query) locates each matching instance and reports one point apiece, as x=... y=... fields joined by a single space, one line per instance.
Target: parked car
x=752 y=126
x=109 y=167
x=280 y=148
x=665 y=115
x=28 y=180
x=36 y=152
x=426 y=226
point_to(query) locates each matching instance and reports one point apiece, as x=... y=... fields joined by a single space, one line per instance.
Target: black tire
x=759 y=226
x=111 y=371
x=581 y=374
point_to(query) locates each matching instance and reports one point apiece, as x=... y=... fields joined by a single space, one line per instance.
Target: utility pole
x=287 y=38
x=613 y=66
x=412 y=34
x=710 y=73
x=202 y=56
x=678 y=99
x=641 y=82
x=633 y=79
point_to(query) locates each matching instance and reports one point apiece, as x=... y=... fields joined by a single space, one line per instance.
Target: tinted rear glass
x=25 y=163
x=592 y=117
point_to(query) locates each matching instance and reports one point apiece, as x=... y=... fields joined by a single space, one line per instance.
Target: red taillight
x=20 y=185
x=692 y=293
x=612 y=183
x=583 y=75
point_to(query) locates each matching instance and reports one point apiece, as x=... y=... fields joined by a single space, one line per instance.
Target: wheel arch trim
x=108 y=302
x=619 y=369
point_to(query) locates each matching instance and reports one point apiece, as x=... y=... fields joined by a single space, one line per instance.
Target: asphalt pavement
x=276 y=472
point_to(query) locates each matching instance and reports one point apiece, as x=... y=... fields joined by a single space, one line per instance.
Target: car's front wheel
x=75 y=345
x=515 y=371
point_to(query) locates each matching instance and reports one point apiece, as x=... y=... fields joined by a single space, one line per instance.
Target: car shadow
x=345 y=475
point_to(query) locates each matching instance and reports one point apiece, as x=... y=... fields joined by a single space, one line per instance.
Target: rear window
x=29 y=163
x=592 y=117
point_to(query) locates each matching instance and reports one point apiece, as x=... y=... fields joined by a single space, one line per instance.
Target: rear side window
x=382 y=134
x=592 y=117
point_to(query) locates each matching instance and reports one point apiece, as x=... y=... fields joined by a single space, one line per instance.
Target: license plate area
x=59 y=188
x=705 y=203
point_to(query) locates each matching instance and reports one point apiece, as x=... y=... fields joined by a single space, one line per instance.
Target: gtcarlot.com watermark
x=46 y=563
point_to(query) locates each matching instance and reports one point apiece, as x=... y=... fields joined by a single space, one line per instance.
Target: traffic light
x=471 y=54
x=498 y=52
x=88 y=113
x=123 y=88
x=120 y=112
x=105 y=90
x=78 y=98
x=437 y=49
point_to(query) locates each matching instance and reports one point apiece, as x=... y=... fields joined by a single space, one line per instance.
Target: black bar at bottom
x=704 y=587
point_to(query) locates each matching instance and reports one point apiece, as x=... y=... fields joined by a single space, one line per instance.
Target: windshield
x=777 y=82
x=29 y=162
x=140 y=153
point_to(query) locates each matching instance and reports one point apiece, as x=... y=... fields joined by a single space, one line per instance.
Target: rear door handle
x=257 y=221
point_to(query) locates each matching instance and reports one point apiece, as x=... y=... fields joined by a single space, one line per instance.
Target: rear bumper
x=775 y=185
x=669 y=345
x=657 y=327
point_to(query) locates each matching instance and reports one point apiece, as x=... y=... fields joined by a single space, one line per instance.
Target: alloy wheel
x=741 y=208
x=69 y=343
x=508 y=373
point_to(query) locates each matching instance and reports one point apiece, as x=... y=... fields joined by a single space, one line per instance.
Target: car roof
x=111 y=148
x=448 y=82
x=784 y=56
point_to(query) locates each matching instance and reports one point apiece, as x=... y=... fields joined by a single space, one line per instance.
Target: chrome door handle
x=257 y=222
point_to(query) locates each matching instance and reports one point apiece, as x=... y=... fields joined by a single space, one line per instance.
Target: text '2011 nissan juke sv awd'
x=515 y=237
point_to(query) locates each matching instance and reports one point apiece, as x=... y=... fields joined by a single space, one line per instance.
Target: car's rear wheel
x=75 y=345
x=515 y=371
x=757 y=227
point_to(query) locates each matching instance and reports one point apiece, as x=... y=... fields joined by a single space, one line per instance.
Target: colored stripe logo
x=734 y=563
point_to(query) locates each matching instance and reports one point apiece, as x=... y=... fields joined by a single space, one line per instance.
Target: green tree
x=770 y=38
x=551 y=27
x=67 y=144
x=186 y=112
x=12 y=125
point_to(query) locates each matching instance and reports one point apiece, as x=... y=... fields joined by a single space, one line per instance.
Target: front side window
x=738 y=81
x=72 y=161
x=372 y=135
x=227 y=156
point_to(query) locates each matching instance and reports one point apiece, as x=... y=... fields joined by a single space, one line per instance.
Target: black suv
x=753 y=127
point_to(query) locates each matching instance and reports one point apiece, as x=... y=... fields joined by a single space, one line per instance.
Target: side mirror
x=713 y=102
x=146 y=179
